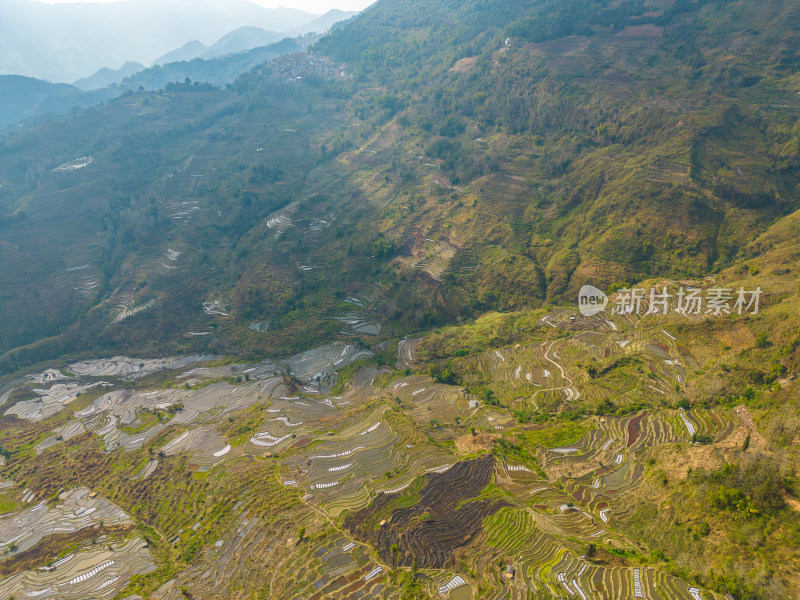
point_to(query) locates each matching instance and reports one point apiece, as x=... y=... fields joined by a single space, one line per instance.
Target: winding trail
x=560 y=369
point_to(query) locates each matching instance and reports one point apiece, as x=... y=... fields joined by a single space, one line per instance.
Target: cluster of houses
x=303 y=64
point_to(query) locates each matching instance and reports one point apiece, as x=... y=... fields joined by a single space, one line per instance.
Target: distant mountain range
x=216 y=71
x=67 y=42
x=236 y=52
x=24 y=97
x=243 y=48
x=105 y=76
x=247 y=38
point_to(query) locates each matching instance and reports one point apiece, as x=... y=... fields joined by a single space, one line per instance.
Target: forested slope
x=441 y=159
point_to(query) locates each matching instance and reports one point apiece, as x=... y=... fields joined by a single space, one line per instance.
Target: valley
x=319 y=330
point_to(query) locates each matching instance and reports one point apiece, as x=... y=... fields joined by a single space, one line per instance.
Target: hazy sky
x=312 y=6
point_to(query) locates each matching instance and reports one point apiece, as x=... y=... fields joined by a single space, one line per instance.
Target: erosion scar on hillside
x=444 y=519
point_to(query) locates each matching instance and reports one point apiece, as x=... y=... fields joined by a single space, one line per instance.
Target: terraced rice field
x=346 y=472
x=617 y=342
x=215 y=307
x=316 y=368
x=430 y=400
x=113 y=416
x=544 y=563
x=605 y=461
x=99 y=573
x=360 y=324
x=130 y=310
x=406 y=352
x=279 y=224
x=374 y=476
x=75 y=164
x=91 y=572
x=334 y=567
x=434 y=258
x=529 y=367
x=123 y=367
x=51 y=401
x=75 y=511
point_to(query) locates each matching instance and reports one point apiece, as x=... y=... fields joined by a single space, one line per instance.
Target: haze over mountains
x=105 y=76
x=28 y=91
x=23 y=98
x=237 y=40
x=66 y=42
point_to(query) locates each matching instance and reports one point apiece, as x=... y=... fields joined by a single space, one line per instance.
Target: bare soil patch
x=464 y=65
x=468 y=443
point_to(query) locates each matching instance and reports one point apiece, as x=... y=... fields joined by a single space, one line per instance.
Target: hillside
x=317 y=334
x=605 y=157
x=25 y=97
x=611 y=456
x=626 y=119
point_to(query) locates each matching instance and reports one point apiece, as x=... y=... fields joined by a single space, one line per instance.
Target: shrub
x=754 y=486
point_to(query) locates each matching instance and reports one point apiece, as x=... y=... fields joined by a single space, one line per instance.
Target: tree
x=382 y=248
x=606 y=407
x=701 y=438
x=444 y=374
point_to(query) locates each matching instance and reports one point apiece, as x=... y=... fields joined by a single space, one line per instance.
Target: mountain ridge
x=105 y=77
x=248 y=37
x=108 y=34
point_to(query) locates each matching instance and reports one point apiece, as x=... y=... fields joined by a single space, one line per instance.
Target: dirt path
x=792 y=503
x=563 y=376
x=756 y=439
x=561 y=370
x=272 y=581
